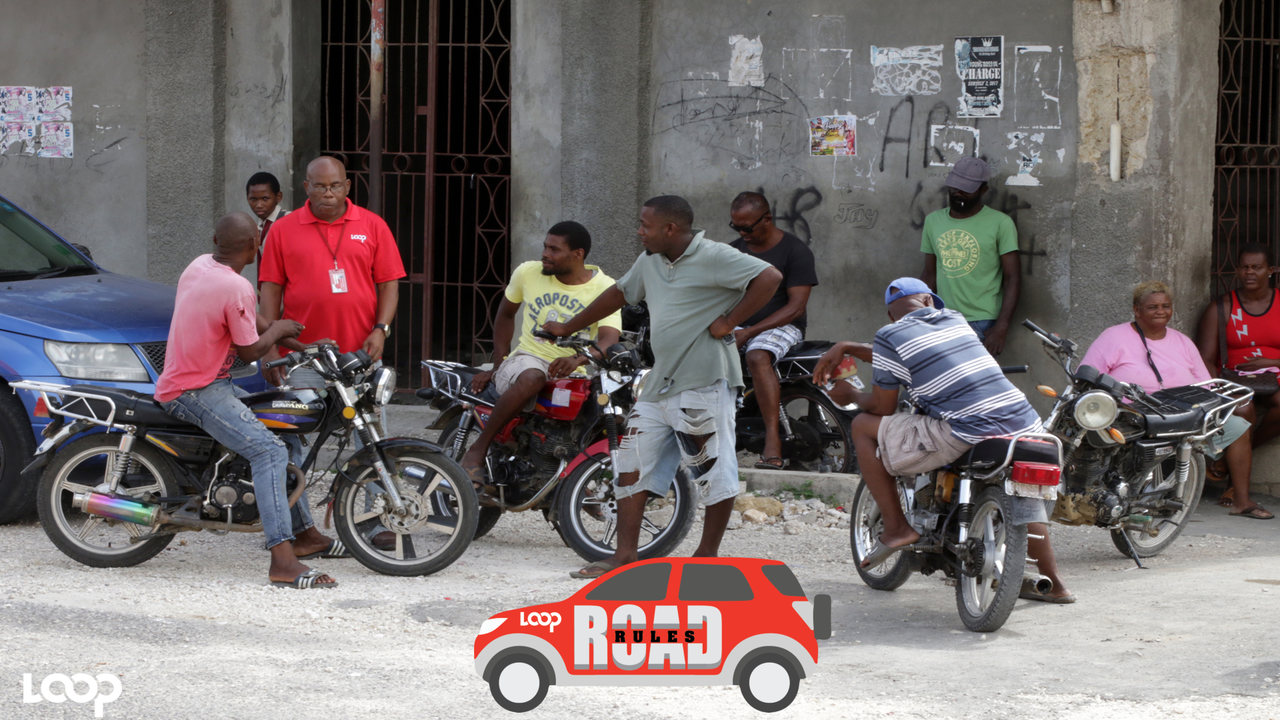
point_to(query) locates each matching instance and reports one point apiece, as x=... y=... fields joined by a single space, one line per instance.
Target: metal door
x=434 y=161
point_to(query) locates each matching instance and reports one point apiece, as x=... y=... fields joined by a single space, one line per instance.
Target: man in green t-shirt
x=971 y=255
x=555 y=289
x=698 y=291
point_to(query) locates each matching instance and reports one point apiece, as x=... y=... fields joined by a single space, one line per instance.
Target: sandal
x=1255 y=512
x=336 y=550
x=772 y=462
x=1216 y=473
x=591 y=571
x=307 y=581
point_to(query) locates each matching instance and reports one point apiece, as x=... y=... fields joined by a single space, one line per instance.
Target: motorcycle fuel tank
x=287 y=411
x=562 y=399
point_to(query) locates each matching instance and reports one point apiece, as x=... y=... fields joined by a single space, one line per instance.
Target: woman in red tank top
x=1252 y=336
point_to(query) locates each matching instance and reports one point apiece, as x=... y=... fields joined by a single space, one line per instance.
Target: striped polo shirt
x=950 y=375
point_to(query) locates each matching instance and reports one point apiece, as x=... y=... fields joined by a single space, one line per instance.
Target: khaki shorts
x=515 y=364
x=912 y=444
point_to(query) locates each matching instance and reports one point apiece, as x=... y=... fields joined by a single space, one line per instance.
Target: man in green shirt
x=698 y=291
x=971 y=255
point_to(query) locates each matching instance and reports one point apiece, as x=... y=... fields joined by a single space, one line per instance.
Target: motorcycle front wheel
x=988 y=586
x=821 y=439
x=489 y=515
x=865 y=527
x=1151 y=539
x=84 y=466
x=439 y=523
x=587 y=513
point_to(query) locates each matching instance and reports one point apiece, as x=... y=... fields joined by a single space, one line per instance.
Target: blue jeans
x=981 y=327
x=217 y=409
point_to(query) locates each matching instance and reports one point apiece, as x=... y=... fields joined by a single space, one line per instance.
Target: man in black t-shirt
x=779 y=325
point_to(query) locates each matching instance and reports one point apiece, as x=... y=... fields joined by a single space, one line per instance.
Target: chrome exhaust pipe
x=1043 y=585
x=116 y=508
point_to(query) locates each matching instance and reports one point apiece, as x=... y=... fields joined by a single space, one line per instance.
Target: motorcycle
x=964 y=513
x=117 y=497
x=815 y=431
x=558 y=457
x=1134 y=461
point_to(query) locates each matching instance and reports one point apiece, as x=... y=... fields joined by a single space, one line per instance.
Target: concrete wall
x=98 y=197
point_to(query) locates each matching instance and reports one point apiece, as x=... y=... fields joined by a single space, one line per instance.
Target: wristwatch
x=385 y=328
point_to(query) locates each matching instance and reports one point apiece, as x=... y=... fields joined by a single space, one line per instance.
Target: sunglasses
x=748 y=229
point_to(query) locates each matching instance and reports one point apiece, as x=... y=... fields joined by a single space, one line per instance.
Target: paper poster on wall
x=53 y=104
x=915 y=70
x=21 y=135
x=980 y=65
x=949 y=143
x=57 y=140
x=833 y=135
x=17 y=103
x=746 y=66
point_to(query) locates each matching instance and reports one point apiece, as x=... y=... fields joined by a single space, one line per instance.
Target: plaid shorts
x=776 y=342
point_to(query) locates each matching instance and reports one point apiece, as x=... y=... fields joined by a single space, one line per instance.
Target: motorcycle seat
x=991 y=452
x=132 y=407
x=1184 y=421
x=808 y=350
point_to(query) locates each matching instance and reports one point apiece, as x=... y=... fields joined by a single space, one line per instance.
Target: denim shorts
x=660 y=435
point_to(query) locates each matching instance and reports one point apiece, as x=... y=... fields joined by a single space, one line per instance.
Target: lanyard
x=333 y=250
x=1150 y=362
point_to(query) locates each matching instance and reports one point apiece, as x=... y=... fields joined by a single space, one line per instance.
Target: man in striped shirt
x=935 y=355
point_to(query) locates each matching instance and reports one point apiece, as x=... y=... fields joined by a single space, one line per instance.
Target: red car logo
x=668 y=621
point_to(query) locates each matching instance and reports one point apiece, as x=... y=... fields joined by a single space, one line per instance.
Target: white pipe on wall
x=1115 y=151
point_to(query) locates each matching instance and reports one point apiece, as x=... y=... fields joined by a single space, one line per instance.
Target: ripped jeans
x=696 y=427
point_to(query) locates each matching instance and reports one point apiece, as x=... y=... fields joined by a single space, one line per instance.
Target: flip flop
x=591 y=571
x=478 y=480
x=773 y=462
x=883 y=552
x=1254 y=512
x=1029 y=592
x=307 y=581
x=335 y=551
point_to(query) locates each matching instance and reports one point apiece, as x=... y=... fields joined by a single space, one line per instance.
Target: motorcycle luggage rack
x=1219 y=398
x=79 y=408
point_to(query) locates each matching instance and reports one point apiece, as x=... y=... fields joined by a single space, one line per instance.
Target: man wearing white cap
x=971 y=255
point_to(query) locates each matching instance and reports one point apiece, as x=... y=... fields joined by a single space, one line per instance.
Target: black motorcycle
x=116 y=496
x=1134 y=462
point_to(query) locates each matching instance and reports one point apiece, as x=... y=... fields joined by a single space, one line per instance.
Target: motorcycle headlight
x=96 y=361
x=384 y=385
x=637 y=385
x=1095 y=410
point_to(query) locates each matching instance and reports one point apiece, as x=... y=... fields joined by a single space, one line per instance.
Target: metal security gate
x=1247 y=159
x=437 y=165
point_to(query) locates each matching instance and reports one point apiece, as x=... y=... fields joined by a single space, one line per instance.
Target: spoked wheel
x=991 y=575
x=821 y=440
x=85 y=466
x=489 y=515
x=588 y=513
x=439 y=523
x=1151 y=538
x=865 y=527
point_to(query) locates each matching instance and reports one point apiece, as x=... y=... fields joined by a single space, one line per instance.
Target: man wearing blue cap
x=971 y=254
x=932 y=352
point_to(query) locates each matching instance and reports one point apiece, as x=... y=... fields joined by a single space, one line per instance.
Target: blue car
x=63 y=319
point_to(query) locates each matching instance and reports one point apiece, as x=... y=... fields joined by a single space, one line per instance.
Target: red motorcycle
x=558 y=457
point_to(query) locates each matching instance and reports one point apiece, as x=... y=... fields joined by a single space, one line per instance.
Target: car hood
x=105 y=307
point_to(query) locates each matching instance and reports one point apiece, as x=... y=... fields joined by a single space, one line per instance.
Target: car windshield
x=29 y=251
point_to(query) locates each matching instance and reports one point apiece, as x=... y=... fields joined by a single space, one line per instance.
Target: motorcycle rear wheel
x=821 y=437
x=865 y=526
x=489 y=515
x=81 y=467
x=587 y=513
x=438 y=528
x=1167 y=528
x=986 y=599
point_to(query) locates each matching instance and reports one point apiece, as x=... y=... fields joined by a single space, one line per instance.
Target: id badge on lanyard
x=337 y=280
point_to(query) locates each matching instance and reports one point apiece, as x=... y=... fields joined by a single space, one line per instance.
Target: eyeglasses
x=336 y=188
x=748 y=229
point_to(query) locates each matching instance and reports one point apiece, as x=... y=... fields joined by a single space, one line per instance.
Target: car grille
x=154 y=353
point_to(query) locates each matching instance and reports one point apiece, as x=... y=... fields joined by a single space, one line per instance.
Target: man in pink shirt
x=215 y=319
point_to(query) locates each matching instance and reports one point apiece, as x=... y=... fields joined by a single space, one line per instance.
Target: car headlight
x=1095 y=410
x=96 y=361
x=491 y=624
x=384 y=385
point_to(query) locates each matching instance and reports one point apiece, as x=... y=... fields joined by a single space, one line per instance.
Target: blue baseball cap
x=904 y=286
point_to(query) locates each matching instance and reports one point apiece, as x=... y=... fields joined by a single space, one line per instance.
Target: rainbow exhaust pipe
x=115 y=508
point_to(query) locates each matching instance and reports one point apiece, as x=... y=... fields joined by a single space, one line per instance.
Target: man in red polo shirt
x=332 y=266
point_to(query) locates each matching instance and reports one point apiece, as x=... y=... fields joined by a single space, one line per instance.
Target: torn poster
x=1028 y=147
x=21 y=134
x=53 y=104
x=57 y=140
x=949 y=143
x=746 y=66
x=914 y=70
x=17 y=103
x=833 y=135
x=980 y=65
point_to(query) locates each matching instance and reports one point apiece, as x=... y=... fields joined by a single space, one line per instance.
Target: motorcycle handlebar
x=1011 y=369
